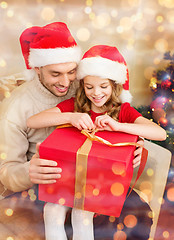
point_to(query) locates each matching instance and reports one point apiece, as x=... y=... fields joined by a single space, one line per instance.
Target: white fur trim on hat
x=125 y=96
x=102 y=67
x=43 y=57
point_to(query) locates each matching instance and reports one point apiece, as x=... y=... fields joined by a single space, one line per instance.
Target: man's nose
x=65 y=81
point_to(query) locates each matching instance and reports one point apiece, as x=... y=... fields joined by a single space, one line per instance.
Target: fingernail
x=59 y=170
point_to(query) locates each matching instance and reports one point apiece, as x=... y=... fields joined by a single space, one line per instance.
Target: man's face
x=57 y=78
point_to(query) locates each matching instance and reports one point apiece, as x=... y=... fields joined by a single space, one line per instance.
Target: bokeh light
x=2 y=63
x=61 y=201
x=114 y=13
x=166 y=234
x=170 y=194
x=120 y=235
x=50 y=189
x=161 y=45
x=102 y=20
x=89 y=190
x=10 y=238
x=3 y=156
x=86 y=221
x=96 y=192
x=111 y=219
x=83 y=34
x=118 y=169
x=146 y=188
x=130 y=221
x=87 y=10
x=117 y=189
x=120 y=226
x=150 y=172
x=24 y=194
x=9 y=212
x=4 y=4
x=159 y=19
x=170 y=17
x=10 y=13
x=48 y=13
x=78 y=195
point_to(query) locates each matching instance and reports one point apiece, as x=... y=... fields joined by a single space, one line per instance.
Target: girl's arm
x=54 y=117
x=141 y=127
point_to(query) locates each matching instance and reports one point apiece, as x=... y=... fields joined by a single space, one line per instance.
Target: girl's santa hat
x=50 y=44
x=106 y=62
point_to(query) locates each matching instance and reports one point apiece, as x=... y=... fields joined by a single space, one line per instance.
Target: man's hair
x=112 y=106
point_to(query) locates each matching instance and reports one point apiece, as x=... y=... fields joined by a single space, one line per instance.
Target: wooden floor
x=17 y=223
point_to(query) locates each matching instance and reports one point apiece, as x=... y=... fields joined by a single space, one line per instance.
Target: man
x=51 y=56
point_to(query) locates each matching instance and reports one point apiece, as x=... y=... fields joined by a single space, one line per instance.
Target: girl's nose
x=96 y=91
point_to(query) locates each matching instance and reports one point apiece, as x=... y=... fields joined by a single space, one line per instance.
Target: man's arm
x=14 y=168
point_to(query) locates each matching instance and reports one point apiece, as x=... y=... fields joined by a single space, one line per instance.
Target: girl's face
x=98 y=91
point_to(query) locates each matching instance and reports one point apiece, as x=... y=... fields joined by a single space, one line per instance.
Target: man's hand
x=43 y=171
x=138 y=153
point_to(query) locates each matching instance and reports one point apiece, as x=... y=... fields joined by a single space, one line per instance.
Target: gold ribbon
x=91 y=135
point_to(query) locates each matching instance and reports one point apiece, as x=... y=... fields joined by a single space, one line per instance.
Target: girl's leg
x=82 y=224
x=54 y=218
x=139 y=214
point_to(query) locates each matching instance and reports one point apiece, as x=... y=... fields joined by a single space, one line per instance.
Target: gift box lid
x=66 y=141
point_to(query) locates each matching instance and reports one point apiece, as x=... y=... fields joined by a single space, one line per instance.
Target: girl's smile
x=98 y=91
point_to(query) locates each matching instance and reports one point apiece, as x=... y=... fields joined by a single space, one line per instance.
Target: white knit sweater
x=17 y=142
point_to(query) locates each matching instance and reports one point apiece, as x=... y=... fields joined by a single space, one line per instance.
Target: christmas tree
x=161 y=109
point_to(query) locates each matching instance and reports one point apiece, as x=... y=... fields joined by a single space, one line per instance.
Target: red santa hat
x=50 y=44
x=106 y=62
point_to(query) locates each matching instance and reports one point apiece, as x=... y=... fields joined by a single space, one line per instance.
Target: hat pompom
x=29 y=74
x=125 y=96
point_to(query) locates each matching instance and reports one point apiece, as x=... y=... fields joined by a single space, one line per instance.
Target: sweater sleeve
x=128 y=114
x=14 y=168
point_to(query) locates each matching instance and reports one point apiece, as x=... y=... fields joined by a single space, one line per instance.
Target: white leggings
x=54 y=218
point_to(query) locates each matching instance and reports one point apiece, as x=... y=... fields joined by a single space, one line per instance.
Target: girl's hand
x=81 y=121
x=105 y=122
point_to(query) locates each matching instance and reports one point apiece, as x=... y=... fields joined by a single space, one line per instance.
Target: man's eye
x=72 y=72
x=55 y=75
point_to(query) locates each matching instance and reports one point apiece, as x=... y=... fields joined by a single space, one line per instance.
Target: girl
x=101 y=102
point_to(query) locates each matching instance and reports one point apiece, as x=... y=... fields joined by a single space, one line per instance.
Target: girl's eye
x=89 y=88
x=104 y=86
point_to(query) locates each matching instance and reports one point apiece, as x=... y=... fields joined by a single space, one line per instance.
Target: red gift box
x=98 y=183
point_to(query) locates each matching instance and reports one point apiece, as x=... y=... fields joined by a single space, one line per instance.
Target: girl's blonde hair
x=112 y=106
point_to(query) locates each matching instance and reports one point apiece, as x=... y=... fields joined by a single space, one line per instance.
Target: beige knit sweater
x=17 y=142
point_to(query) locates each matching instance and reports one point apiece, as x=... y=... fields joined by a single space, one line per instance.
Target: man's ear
x=37 y=69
